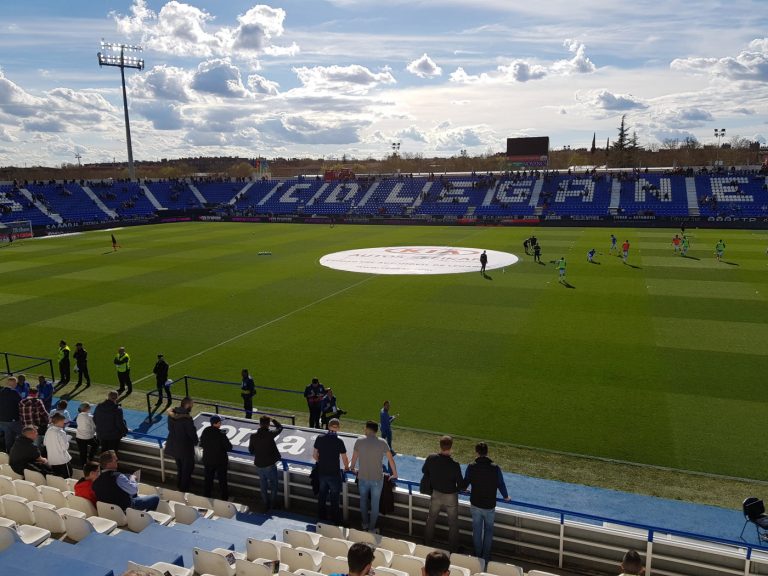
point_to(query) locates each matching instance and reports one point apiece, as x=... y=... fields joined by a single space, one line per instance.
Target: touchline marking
x=265 y=324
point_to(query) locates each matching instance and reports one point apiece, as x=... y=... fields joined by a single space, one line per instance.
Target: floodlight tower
x=118 y=59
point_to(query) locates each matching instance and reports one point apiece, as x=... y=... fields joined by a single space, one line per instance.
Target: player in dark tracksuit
x=483 y=262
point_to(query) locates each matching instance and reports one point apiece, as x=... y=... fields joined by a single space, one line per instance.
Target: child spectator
x=61 y=408
x=56 y=443
x=84 y=486
x=85 y=435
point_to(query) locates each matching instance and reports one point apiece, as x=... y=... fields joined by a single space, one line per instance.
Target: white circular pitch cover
x=416 y=260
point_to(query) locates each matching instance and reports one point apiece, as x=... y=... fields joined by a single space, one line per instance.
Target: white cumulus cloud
x=749 y=64
x=355 y=79
x=424 y=67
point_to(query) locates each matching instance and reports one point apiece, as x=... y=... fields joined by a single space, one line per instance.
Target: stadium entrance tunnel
x=416 y=260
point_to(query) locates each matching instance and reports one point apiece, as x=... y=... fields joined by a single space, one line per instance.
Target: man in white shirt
x=56 y=443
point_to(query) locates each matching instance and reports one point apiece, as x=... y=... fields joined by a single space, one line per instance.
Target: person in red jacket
x=84 y=486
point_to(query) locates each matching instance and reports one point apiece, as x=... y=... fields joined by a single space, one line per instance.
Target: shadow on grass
x=593 y=262
x=729 y=263
x=487 y=277
x=567 y=284
x=633 y=266
x=75 y=392
x=689 y=257
x=110 y=252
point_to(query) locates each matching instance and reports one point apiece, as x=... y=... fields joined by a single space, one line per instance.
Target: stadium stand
x=446 y=197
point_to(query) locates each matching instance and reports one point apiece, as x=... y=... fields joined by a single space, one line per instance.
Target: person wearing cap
x=81 y=365
x=182 y=439
x=161 y=376
x=216 y=446
x=314 y=395
x=327 y=450
x=122 y=363
x=265 y=457
x=64 y=363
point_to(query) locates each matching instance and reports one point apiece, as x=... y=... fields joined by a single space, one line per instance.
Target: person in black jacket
x=266 y=456
x=247 y=391
x=161 y=376
x=216 y=446
x=64 y=364
x=10 y=419
x=81 y=364
x=109 y=422
x=444 y=477
x=182 y=439
x=26 y=454
x=485 y=477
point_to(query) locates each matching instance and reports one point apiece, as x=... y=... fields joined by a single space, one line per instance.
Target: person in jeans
x=119 y=489
x=485 y=477
x=265 y=457
x=327 y=450
x=369 y=453
x=444 y=475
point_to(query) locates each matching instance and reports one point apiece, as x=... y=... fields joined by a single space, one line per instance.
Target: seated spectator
x=119 y=489
x=632 y=564
x=61 y=408
x=360 y=559
x=25 y=453
x=56 y=443
x=436 y=564
x=84 y=486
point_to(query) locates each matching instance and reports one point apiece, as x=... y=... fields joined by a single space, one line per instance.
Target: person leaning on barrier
x=443 y=474
x=216 y=447
x=370 y=451
x=265 y=457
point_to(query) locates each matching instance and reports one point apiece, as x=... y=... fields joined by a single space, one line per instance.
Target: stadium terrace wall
x=620 y=221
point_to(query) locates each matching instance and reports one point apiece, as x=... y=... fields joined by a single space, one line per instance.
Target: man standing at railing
x=327 y=450
x=247 y=391
x=182 y=439
x=443 y=475
x=370 y=452
x=161 y=376
x=265 y=457
x=486 y=478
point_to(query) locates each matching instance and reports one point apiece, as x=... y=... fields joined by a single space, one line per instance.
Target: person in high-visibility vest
x=123 y=364
x=64 y=364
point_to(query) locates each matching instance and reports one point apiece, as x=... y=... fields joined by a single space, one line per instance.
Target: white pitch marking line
x=264 y=325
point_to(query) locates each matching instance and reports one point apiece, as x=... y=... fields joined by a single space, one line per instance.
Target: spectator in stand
x=182 y=439
x=84 y=486
x=10 y=420
x=64 y=364
x=81 y=365
x=486 y=478
x=109 y=422
x=45 y=391
x=26 y=454
x=161 y=376
x=247 y=391
x=360 y=559
x=632 y=564
x=85 y=435
x=436 y=564
x=32 y=412
x=216 y=447
x=314 y=394
x=370 y=451
x=443 y=474
x=327 y=450
x=386 y=424
x=56 y=444
x=122 y=363
x=61 y=408
x=119 y=489
x=22 y=386
x=265 y=457
x=329 y=408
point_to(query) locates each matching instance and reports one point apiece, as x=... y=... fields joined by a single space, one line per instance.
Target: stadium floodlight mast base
x=119 y=60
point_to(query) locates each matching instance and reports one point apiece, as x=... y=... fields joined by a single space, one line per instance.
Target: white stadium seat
x=502 y=569
x=301 y=538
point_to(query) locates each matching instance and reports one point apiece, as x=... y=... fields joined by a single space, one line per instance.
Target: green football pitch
x=659 y=361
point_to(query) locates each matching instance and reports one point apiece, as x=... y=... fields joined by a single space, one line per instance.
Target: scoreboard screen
x=530 y=152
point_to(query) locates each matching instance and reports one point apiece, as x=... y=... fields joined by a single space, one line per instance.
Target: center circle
x=416 y=260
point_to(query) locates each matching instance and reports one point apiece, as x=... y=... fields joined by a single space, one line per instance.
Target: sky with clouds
x=334 y=77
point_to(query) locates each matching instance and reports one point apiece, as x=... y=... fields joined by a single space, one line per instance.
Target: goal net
x=17 y=230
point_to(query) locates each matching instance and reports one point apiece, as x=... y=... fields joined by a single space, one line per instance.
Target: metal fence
x=12 y=364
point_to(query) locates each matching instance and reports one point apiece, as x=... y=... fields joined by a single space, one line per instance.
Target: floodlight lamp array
x=121 y=61
x=117 y=47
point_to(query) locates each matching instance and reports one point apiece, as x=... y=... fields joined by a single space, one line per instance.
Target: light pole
x=119 y=60
x=719 y=135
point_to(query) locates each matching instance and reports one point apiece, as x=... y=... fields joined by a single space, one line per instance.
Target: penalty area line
x=265 y=324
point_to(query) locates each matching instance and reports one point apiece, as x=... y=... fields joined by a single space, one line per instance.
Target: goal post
x=17 y=230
